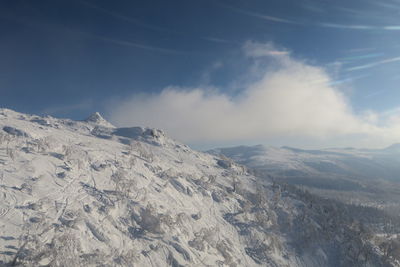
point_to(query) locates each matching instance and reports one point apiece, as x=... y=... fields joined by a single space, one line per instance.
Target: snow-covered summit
x=393 y=148
x=97 y=119
x=77 y=194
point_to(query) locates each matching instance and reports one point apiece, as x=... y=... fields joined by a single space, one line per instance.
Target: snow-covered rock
x=97 y=119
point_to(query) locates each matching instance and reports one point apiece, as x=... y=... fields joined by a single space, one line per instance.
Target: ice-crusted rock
x=14 y=131
x=102 y=196
x=127 y=134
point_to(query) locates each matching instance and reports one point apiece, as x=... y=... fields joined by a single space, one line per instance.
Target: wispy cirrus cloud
x=360 y=57
x=116 y=41
x=152 y=27
x=129 y=19
x=347 y=26
x=258 y=15
x=324 y=24
x=132 y=44
x=374 y=64
x=392 y=28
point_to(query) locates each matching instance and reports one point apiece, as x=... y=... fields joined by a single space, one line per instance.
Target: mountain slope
x=84 y=193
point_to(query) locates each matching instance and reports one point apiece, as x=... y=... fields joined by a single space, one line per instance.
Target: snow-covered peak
x=97 y=119
x=393 y=148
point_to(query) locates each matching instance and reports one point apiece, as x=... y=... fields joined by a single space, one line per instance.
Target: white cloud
x=256 y=50
x=291 y=99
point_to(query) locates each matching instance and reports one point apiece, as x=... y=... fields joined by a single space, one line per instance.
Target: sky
x=307 y=73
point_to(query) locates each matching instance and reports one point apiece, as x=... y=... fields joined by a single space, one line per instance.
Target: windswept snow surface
x=84 y=193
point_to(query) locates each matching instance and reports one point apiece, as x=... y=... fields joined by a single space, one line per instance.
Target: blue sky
x=70 y=58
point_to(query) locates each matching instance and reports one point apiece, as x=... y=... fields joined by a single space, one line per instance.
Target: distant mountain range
x=364 y=176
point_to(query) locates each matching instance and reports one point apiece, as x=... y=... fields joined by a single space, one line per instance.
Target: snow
x=97 y=119
x=85 y=193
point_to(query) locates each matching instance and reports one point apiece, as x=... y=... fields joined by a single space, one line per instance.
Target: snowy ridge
x=76 y=193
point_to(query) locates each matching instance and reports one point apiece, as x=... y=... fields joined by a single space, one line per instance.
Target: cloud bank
x=289 y=98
